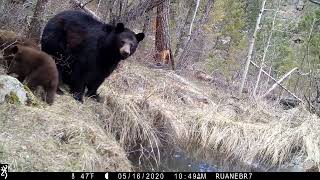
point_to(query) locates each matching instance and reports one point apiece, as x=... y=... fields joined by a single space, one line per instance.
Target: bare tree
x=265 y=51
x=35 y=25
x=182 y=23
x=182 y=62
x=194 y=16
x=251 y=46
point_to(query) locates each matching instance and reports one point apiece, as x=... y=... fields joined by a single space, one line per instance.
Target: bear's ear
x=119 y=28
x=107 y=28
x=140 y=36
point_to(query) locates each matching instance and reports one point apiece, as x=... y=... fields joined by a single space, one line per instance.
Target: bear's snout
x=125 y=51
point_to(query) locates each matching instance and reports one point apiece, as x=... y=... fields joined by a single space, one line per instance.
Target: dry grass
x=236 y=133
x=63 y=137
x=146 y=109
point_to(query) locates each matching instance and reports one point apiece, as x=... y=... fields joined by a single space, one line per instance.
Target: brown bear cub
x=37 y=68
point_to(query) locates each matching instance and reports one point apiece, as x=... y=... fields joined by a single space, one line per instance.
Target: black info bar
x=159 y=175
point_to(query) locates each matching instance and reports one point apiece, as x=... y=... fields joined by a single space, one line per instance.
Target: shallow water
x=175 y=161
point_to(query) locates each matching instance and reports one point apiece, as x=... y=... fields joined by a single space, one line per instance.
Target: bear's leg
x=93 y=87
x=50 y=94
x=59 y=91
x=78 y=82
x=32 y=84
x=32 y=80
x=78 y=89
x=21 y=78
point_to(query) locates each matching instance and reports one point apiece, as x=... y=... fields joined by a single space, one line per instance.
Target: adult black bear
x=86 y=50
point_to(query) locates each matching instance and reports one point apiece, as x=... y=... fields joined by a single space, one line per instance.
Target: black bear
x=37 y=67
x=86 y=50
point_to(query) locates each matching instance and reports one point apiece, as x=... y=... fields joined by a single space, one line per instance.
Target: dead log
x=289 y=103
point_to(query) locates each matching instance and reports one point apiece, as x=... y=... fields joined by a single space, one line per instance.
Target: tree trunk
x=194 y=16
x=35 y=25
x=251 y=46
x=182 y=63
x=182 y=33
x=265 y=51
x=162 y=37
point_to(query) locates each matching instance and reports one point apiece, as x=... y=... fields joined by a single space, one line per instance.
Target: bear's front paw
x=99 y=98
x=59 y=91
x=78 y=97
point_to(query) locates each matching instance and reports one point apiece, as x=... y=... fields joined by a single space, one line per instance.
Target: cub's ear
x=14 y=49
x=119 y=28
x=140 y=36
x=107 y=28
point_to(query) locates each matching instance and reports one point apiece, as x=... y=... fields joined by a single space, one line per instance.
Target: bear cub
x=37 y=68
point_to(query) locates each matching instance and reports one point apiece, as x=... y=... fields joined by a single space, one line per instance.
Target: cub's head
x=20 y=62
x=126 y=41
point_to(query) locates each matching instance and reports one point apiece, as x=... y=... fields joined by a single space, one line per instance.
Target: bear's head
x=126 y=41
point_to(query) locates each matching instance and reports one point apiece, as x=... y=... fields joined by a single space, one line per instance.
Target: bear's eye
x=132 y=46
x=123 y=42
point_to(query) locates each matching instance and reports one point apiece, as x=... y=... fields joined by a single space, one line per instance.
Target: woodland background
x=220 y=79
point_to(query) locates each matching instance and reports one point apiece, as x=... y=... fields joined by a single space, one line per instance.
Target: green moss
x=31 y=99
x=1 y=152
x=26 y=88
x=12 y=98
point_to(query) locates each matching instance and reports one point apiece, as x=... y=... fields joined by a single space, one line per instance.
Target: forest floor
x=145 y=109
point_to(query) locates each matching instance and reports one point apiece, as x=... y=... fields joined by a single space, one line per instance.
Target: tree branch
x=139 y=10
x=78 y=4
x=316 y=2
x=279 y=81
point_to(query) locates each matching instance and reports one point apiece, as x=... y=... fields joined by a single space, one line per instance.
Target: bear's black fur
x=86 y=50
